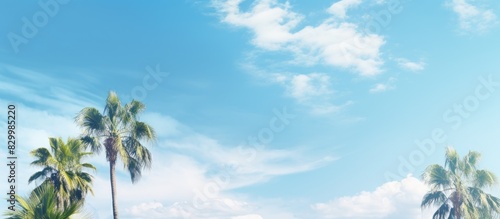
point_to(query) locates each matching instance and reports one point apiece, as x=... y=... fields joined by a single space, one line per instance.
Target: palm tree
x=63 y=168
x=42 y=204
x=122 y=136
x=457 y=188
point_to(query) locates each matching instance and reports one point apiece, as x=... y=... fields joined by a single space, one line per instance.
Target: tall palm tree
x=42 y=204
x=457 y=188
x=63 y=168
x=121 y=134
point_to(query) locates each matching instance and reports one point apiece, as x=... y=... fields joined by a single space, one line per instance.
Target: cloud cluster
x=334 y=42
x=473 y=18
x=392 y=200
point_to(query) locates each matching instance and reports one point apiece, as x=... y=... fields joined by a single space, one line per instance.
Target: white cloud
x=313 y=90
x=250 y=216
x=473 y=18
x=409 y=65
x=304 y=87
x=271 y=22
x=212 y=209
x=342 y=45
x=137 y=209
x=392 y=200
x=339 y=8
x=335 y=43
x=381 y=87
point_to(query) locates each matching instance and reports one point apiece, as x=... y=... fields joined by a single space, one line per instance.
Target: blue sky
x=266 y=108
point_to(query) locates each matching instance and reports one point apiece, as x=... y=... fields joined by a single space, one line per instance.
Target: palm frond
x=138 y=151
x=134 y=168
x=113 y=106
x=436 y=198
x=437 y=177
x=484 y=179
x=92 y=143
x=132 y=111
x=442 y=211
x=42 y=204
x=42 y=174
x=452 y=160
x=470 y=161
x=43 y=156
x=91 y=121
x=143 y=131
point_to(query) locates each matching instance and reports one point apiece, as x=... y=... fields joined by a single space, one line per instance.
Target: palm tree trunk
x=113 y=188
x=458 y=211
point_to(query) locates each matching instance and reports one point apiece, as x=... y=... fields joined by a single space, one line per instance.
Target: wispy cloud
x=234 y=160
x=473 y=18
x=411 y=65
x=381 y=87
x=311 y=90
x=36 y=88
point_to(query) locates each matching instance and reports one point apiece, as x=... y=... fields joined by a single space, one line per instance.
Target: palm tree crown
x=63 y=168
x=457 y=188
x=121 y=134
x=42 y=204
